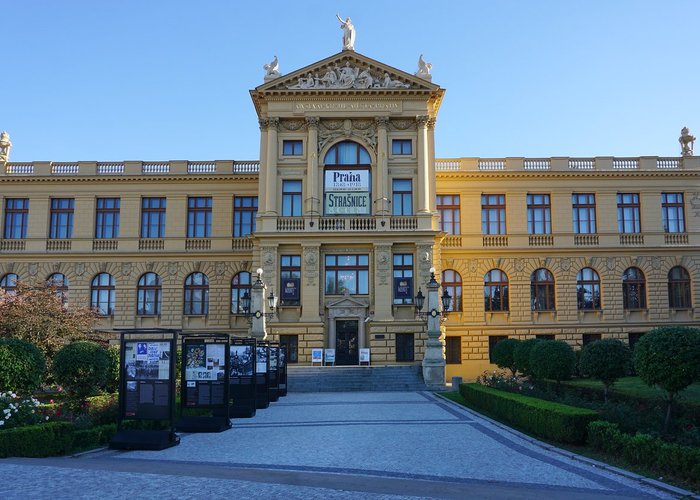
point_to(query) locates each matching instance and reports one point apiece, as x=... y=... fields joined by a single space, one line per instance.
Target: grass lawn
x=634 y=386
x=585 y=451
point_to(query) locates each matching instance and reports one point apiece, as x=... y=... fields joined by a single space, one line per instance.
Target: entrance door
x=346 y=348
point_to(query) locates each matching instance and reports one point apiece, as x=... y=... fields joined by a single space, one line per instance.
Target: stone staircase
x=355 y=378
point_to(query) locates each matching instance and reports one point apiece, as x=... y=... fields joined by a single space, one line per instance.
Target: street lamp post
x=437 y=310
x=258 y=308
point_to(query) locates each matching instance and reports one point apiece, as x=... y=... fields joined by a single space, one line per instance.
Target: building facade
x=346 y=212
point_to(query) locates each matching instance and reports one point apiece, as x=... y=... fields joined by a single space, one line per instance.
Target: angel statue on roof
x=348 y=32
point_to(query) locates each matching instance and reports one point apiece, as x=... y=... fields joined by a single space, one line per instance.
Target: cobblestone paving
x=332 y=445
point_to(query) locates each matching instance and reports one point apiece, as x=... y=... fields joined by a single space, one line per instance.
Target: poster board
x=316 y=356
x=205 y=368
x=242 y=377
x=329 y=355
x=364 y=356
x=147 y=381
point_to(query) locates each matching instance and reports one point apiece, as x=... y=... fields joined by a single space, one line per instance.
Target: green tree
x=552 y=359
x=81 y=368
x=606 y=360
x=503 y=354
x=37 y=314
x=669 y=357
x=521 y=355
x=21 y=366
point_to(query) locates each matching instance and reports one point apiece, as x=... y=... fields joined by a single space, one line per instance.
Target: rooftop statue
x=424 y=69
x=348 y=33
x=5 y=146
x=272 y=70
x=687 y=142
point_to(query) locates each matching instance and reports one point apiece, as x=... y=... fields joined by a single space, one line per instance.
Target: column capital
x=312 y=121
x=382 y=121
x=268 y=123
x=422 y=120
x=431 y=123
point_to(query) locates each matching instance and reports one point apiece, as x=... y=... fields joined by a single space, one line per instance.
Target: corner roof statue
x=424 y=69
x=687 y=142
x=5 y=146
x=272 y=70
x=348 y=33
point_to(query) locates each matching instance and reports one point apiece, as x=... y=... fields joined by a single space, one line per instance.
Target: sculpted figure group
x=687 y=141
x=348 y=77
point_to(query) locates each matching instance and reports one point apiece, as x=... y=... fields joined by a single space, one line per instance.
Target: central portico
x=346 y=228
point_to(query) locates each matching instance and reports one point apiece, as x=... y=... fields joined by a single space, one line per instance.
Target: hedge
x=558 y=422
x=645 y=450
x=52 y=438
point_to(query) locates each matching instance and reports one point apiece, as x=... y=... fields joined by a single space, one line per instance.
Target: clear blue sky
x=159 y=80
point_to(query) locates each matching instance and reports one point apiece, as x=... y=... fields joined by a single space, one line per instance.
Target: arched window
x=347 y=153
x=196 y=294
x=240 y=285
x=9 y=283
x=588 y=289
x=102 y=293
x=634 y=289
x=60 y=282
x=452 y=282
x=495 y=291
x=149 y=293
x=347 y=180
x=542 y=290
x=678 y=288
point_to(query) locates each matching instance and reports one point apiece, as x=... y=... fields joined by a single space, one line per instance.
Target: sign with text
x=346 y=192
x=316 y=356
x=403 y=288
x=330 y=356
x=147 y=382
x=290 y=289
x=364 y=355
x=205 y=373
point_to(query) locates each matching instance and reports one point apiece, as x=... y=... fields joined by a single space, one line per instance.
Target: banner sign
x=330 y=356
x=147 y=376
x=316 y=356
x=364 y=355
x=403 y=288
x=205 y=373
x=346 y=192
x=290 y=289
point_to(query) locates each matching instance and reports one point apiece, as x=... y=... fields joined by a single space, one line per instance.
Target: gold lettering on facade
x=347 y=106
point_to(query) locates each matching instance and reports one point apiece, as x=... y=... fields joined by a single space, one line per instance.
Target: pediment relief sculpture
x=349 y=76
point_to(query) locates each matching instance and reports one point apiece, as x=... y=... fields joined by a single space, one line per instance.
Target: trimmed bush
x=503 y=354
x=85 y=439
x=21 y=366
x=81 y=368
x=521 y=355
x=553 y=359
x=605 y=360
x=645 y=450
x=668 y=357
x=562 y=423
x=112 y=382
x=42 y=440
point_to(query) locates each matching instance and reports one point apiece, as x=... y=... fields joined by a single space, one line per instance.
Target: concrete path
x=332 y=445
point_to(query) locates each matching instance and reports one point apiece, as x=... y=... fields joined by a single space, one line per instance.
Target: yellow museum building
x=346 y=212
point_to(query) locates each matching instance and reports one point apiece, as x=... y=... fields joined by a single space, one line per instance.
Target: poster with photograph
x=261 y=359
x=241 y=360
x=147 y=360
x=147 y=379
x=283 y=352
x=274 y=353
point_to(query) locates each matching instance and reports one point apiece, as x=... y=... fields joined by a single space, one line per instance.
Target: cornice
x=168 y=178
x=549 y=174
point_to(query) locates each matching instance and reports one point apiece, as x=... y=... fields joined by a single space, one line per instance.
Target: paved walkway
x=331 y=445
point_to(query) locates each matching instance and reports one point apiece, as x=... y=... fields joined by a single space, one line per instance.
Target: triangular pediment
x=350 y=71
x=347 y=302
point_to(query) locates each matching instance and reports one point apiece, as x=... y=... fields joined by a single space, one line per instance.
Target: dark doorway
x=346 y=348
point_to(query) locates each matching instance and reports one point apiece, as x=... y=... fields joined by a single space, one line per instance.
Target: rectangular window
x=589 y=338
x=448 y=212
x=404 y=347
x=453 y=350
x=61 y=227
x=539 y=214
x=583 y=206
x=107 y=218
x=199 y=217
x=628 y=220
x=402 y=198
x=673 y=212
x=401 y=147
x=403 y=278
x=347 y=273
x=245 y=208
x=16 y=217
x=291 y=198
x=290 y=280
x=493 y=214
x=153 y=217
x=545 y=336
x=292 y=148
x=291 y=343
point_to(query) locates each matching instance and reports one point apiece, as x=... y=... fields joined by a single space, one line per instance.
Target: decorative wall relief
x=79 y=268
x=349 y=76
x=126 y=269
x=383 y=263
x=33 y=269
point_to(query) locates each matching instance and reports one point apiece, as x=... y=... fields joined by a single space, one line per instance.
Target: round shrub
x=81 y=368
x=503 y=354
x=552 y=359
x=112 y=382
x=521 y=355
x=21 y=366
x=668 y=357
x=605 y=360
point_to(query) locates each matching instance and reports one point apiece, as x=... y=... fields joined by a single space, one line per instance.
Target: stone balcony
x=129 y=168
x=567 y=164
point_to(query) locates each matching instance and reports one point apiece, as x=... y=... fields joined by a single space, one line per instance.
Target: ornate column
x=423 y=187
x=271 y=167
x=381 y=205
x=312 y=195
x=434 y=358
x=257 y=309
x=431 y=166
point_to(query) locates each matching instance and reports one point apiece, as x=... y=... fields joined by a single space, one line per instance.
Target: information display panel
x=147 y=384
x=242 y=377
x=204 y=382
x=283 y=370
x=273 y=372
x=262 y=375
